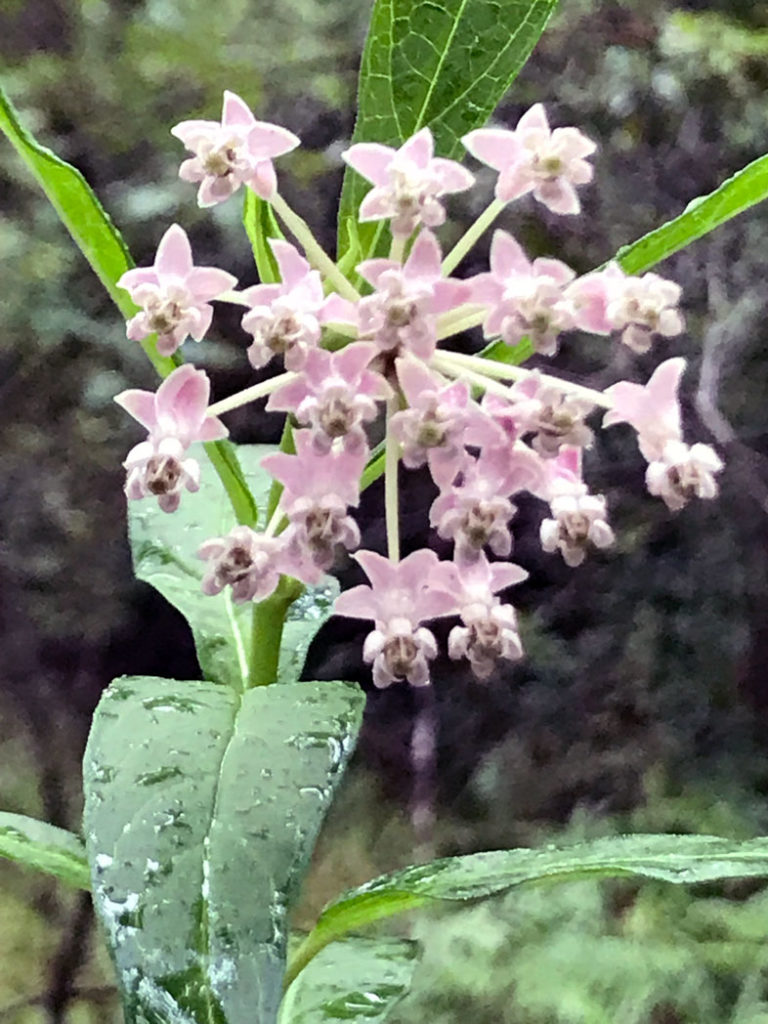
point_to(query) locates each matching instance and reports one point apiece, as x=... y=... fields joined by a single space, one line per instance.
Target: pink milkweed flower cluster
x=487 y=432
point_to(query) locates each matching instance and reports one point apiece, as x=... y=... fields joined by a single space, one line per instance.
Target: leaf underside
x=36 y=844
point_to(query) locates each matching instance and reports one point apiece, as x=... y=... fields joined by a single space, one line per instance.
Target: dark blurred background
x=643 y=702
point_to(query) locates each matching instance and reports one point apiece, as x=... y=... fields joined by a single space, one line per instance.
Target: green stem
x=462 y=319
x=314 y=251
x=468 y=239
x=267 y=631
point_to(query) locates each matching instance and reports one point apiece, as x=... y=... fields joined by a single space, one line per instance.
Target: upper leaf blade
x=746 y=188
x=164 y=549
x=83 y=216
x=358 y=979
x=201 y=811
x=444 y=64
x=36 y=844
x=679 y=859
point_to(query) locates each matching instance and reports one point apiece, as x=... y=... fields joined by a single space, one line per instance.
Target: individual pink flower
x=578 y=521
x=476 y=511
x=652 y=409
x=489 y=631
x=526 y=299
x=640 y=307
x=285 y=318
x=532 y=158
x=335 y=394
x=408 y=182
x=402 y=313
x=238 y=150
x=174 y=294
x=318 y=489
x=681 y=473
x=398 y=600
x=553 y=416
x=175 y=416
x=440 y=419
x=244 y=560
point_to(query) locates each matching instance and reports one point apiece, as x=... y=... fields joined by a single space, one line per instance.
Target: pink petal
x=382 y=573
x=486 y=289
x=513 y=182
x=372 y=270
x=270 y=140
x=261 y=294
x=174 y=253
x=496 y=147
x=293 y=267
x=507 y=257
x=206 y=283
x=357 y=603
x=376 y=205
x=183 y=398
x=451 y=175
x=536 y=117
x=352 y=360
x=263 y=180
x=289 y=395
x=235 y=111
x=419 y=148
x=370 y=159
x=201 y=317
x=140 y=405
x=559 y=196
x=506 y=574
x=425 y=258
x=450 y=293
x=192 y=132
x=135 y=278
x=212 y=429
x=414 y=378
x=337 y=310
x=573 y=144
x=558 y=271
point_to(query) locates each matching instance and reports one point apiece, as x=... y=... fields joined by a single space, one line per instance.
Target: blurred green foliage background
x=643 y=703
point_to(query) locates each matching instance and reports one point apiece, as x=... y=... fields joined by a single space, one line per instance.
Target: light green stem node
x=315 y=253
x=468 y=239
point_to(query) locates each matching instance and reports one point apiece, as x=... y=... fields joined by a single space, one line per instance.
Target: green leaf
x=305 y=617
x=95 y=235
x=357 y=979
x=679 y=859
x=36 y=844
x=746 y=188
x=164 y=549
x=201 y=809
x=260 y=225
x=442 y=63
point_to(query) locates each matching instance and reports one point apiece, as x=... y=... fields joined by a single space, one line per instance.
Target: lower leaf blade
x=201 y=811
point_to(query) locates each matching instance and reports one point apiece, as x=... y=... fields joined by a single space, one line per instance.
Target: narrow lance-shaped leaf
x=680 y=859
x=164 y=549
x=746 y=188
x=82 y=214
x=261 y=225
x=358 y=979
x=44 y=847
x=201 y=812
x=444 y=63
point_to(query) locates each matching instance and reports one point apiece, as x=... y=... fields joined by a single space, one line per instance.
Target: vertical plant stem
x=391 y=497
x=468 y=239
x=267 y=631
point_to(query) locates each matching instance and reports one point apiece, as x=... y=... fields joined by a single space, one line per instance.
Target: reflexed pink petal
x=449 y=293
x=372 y=270
x=425 y=257
x=536 y=117
x=235 y=111
x=496 y=147
x=382 y=573
x=206 y=283
x=140 y=405
x=212 y=429
x=263 y=179
x=337 y=310
x=377 y=204
x=183 y=397
x=452 y=176
x=193 y=132
x=370 y=159
x=200 y=317
x=559 y=196
x=357 y=603
x=513 y=181
x=573 y=144
x=293 y=267
x=415 y=378
x=419 y=148
x=350 y=362
x=261 y=294
x=174 y=253
x=507 y=256
x=134 y=278
x=558 y=271
x=266 y=141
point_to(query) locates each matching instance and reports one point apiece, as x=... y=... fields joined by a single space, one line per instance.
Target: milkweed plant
x=203 y=799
